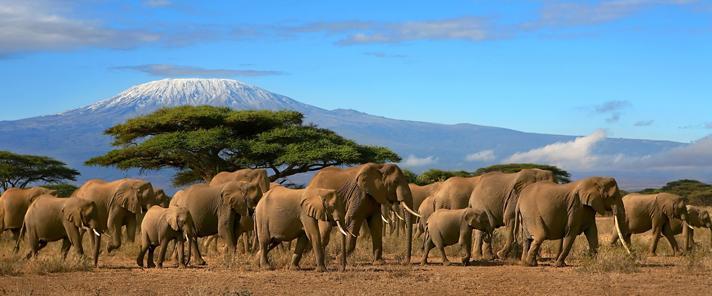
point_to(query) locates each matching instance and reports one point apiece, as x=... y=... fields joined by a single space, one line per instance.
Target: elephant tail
x=19 y=237
x=517 y=224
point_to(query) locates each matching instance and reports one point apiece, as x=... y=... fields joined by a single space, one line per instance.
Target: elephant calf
x=696 y=217
x=285 y=214
x=448 y=227
x=159 y=227
x=51 y=218
x=654 y=211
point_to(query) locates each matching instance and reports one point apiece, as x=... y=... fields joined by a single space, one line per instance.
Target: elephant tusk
x=96 y=232
x=341 y=229
x=186 y=237
x=399 y=217
x=620 y=234
x=690 y=227
x=409 y=210
x=384 y=219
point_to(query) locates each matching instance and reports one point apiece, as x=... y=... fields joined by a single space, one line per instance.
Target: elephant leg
x=130 y=221
x=350 y=241
x=427 y=246
x=196 y=252
x=534 y=247
x=508 y=241
x=150 y=263
x=487 y=245
x=441 y=248
x=374 y=225
x=592 y=238
x=97 y=247
x=65 y=248
x=312 y=232
x=526 y=243
x=141 y=254
x=568 y=242
x=263 y=253
x=689 y=239
x=477 y=243
x=226 y=225
x=656 y=237
x=667 y=232
x=181 y=255
x=302 y=242
x=246 y=242
x=465 y=243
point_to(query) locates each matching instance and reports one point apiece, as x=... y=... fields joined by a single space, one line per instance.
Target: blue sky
x=635 y=68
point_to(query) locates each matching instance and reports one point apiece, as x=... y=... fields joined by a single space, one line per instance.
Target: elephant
x=51 y=218
x=217 y=209
x=550 y=211
x=448 y=227
x=364 y=189
x=497 y=193
x=15 y=202
x=257 y=176
x=419 y=193
x=427 y=208
x=696 y=217
x=654 y=211
x=161 y=226
x=455 y=192
x=286 y=214
x=117 y=203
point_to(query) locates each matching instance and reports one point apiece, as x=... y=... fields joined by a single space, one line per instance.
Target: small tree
x=18 y=170
x=202 y=141
x=63 y=189
x=560 y=176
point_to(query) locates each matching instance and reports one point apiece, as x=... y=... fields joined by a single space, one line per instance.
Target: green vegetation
x=63 y=189
x=202 y=141
x=560 y=176
x=435 y=175
x=697 y=193
x=19 y=170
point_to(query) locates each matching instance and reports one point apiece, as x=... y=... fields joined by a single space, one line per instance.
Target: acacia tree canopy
x=19 y=170
x=202 y=141
x=560 y=176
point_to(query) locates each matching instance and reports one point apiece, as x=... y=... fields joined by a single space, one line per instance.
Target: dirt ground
x=610 y=273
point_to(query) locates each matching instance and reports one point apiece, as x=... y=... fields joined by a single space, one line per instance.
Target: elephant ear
x=314 y=205
x=234 y=195
x=172 y=219
x=666 y=204
x=72 y=213
x=263 y=180
x=126 y=196
x=589 y=194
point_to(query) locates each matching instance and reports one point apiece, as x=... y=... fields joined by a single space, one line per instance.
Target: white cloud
x=37 y=25
x=414 y=161
x=576 y=154
x=485 y=155
x=697 y=155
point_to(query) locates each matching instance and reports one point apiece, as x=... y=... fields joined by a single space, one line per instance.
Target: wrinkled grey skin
x=448 y=227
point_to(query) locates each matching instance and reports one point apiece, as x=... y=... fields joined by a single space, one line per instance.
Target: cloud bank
x=414 y=161
x=482 y=156
x=167 y=70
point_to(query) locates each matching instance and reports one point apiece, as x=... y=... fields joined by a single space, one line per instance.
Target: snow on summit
x=194 y=91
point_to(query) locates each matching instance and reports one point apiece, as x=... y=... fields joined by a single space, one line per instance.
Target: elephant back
x=15 y=203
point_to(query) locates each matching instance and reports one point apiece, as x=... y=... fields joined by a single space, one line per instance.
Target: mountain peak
x=152 y=95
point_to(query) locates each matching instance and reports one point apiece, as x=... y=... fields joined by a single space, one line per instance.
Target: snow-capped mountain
x=77 y=135
x=177 y=92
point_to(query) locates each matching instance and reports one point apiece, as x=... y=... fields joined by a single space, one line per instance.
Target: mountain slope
x=77 y=135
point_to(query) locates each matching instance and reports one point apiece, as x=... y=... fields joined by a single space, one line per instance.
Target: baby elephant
x=448 y=227
x=159 y=227
x=51 y=218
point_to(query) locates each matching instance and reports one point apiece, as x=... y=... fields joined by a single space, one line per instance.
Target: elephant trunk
x=342 y=267
x=618 y=214
x=97 y=246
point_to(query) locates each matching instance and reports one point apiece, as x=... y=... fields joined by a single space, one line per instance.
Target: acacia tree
x=435 y=175
x=20 y=170
x=560 y=176
x=201 y=141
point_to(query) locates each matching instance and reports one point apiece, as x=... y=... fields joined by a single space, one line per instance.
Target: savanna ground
x=612 y=272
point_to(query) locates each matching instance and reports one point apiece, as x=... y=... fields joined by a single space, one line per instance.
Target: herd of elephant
x=529 y=204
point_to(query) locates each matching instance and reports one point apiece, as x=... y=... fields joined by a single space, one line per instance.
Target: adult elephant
x=217 y=209
x=427 y=208
x=550 y=211
x=420 y=193
x=497 y=195
x=654 y=211
x=51 y=218
x=117 y=204
x=454 y=193
x=364 y=189
x=257 y=176
x=696 y=217
x=15 y=202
